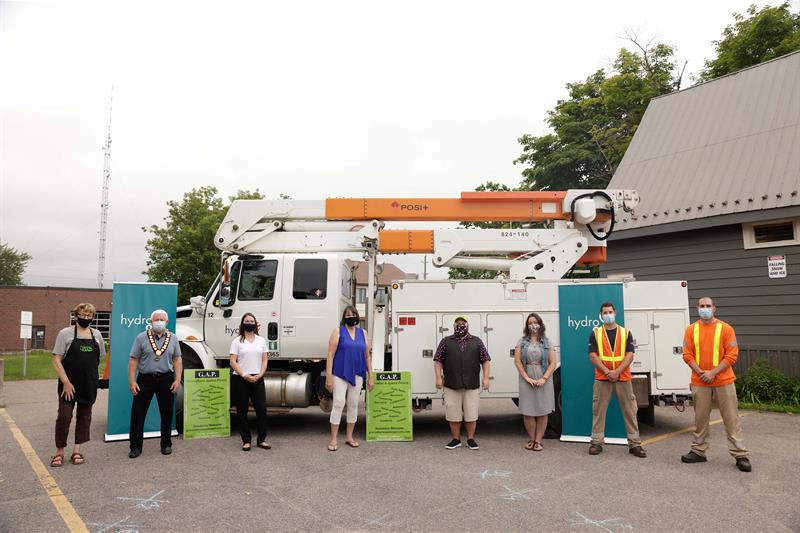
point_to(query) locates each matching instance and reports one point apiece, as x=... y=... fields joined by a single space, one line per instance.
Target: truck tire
x=190 y=361
x=554 y=420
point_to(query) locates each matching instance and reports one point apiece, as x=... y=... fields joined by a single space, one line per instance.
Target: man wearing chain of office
x=156 y=355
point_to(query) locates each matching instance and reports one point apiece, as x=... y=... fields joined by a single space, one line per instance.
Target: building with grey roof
x=717 y=168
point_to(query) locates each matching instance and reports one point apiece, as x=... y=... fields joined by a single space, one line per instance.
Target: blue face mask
x=159 y=325
x=609 y=318
x=705 y=312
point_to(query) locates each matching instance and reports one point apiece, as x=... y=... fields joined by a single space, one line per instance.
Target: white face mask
x=159 y=325
x=705 y=312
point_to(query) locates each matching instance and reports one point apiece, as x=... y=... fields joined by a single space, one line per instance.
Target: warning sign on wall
x=776 y=266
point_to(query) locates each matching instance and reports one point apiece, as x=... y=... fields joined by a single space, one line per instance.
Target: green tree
x=12 y=265
x=594 y=126
x=763 y=35
x=182 y=250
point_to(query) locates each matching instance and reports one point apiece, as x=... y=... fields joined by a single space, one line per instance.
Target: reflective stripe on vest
x=717 y=339
x=617 y=352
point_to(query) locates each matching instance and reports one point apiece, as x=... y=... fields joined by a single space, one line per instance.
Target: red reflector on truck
x=403 y=320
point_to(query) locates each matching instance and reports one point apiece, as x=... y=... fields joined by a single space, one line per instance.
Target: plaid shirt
x=462 y=345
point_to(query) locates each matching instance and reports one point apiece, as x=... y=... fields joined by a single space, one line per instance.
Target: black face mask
x=351 y=320
x=84 y=322
x=249 y=327
x=461 y=330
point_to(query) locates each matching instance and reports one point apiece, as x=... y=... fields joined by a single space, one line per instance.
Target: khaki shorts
x=461 y=404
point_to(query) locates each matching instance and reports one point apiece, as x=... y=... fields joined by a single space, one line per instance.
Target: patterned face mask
x=461 y=329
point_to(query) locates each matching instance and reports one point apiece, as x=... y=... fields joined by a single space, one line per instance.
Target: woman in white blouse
x=248 y=357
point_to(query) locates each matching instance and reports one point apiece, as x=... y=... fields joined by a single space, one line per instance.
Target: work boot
x=595 y=449
x=692 y=457
x=743 y=464
x=135 y=452
x=638 y=451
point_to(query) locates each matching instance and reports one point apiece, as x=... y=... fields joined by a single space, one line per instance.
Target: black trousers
x=243 y=392
x=150 y=384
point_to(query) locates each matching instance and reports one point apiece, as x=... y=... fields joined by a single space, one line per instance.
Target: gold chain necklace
x=155 y=346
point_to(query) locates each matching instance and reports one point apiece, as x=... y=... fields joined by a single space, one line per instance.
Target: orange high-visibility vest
x=611 y=357
x=717 y=344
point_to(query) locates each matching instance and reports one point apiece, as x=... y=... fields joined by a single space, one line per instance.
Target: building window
x=101 y=322
x=361 y=295
x=310 y=279
x=772 y=233
x=380 y=297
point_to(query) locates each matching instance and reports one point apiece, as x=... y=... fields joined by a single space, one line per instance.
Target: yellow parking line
x=679 y=432
x=60 y=502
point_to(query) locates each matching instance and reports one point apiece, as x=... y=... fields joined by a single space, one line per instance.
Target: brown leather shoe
x=595 y=449
x=638 y=451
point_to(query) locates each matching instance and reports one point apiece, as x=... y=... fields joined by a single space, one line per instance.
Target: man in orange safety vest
x=611 y=350
x=710 y=349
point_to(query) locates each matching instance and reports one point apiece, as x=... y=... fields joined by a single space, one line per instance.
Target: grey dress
x=535 y=401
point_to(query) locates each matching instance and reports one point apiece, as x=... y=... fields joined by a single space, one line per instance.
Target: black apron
x=80 y=364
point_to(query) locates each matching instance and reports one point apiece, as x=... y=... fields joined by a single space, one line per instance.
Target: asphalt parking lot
x=210 y=485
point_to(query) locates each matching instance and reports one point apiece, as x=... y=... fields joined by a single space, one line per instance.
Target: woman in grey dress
x=536 y=362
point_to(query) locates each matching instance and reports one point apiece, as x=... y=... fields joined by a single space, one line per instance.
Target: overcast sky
x=309 y=99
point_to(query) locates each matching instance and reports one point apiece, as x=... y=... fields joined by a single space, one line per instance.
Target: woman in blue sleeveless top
x=349 y=363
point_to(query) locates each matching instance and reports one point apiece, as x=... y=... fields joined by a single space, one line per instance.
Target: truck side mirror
x=198 y=303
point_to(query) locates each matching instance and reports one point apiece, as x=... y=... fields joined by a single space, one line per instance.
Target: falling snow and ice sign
x=776 y=266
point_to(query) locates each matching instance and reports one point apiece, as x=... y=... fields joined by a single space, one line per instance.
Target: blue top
x=350 y=359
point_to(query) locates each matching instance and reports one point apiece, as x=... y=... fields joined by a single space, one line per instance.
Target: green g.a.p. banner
x=131 y=306
x=206 y=403
x=579 y=314
x=389 y=407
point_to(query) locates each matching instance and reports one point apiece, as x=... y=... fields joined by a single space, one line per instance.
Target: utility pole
x=101 y=261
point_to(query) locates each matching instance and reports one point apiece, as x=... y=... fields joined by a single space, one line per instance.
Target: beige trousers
x=727 y=403
x=627 y=403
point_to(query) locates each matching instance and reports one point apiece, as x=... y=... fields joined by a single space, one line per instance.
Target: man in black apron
x=76 y=356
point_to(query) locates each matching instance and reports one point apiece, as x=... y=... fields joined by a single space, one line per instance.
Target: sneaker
x=472 y=445
x=166 y=450
x=692 y=457
x=743 y=464
x=453 y=444
x=134 y=453
x=638 y=451
x=595 y=449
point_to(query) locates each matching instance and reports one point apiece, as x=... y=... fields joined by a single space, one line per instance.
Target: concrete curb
x=2 y=371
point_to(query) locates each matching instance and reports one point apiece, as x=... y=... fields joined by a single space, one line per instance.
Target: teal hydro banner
x=579 y=314
x=131 y=306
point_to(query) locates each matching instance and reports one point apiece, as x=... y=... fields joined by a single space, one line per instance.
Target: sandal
x=537 y=447
x=77 y=458
x=246 y=447
x=264 y=445
x=332 y=447
x=530 y=445
x=351 y=443
x=57 y=460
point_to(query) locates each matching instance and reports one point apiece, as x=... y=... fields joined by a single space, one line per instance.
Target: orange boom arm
x=471 y=207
